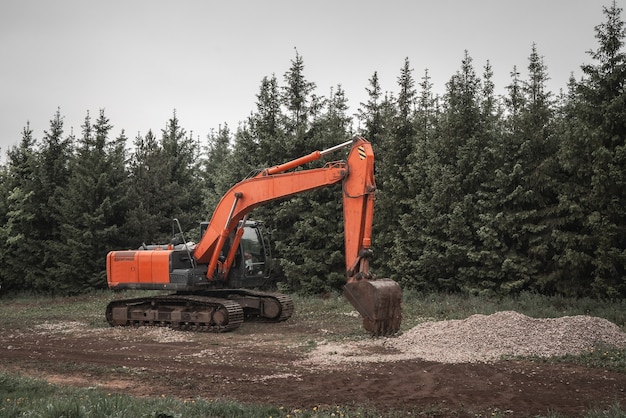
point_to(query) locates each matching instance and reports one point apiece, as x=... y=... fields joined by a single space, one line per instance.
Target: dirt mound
x=480 y=338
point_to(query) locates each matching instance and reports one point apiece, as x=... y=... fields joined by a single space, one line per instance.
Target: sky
x=143 y=60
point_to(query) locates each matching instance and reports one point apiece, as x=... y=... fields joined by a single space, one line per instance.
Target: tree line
x=477 y=192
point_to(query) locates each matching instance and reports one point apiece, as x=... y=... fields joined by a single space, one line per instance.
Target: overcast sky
x=141 y=59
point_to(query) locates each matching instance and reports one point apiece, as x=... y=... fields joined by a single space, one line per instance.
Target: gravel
x=479 y=338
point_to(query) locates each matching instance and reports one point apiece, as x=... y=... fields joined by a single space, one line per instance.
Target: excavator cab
x=252 y=262
x=256 y=255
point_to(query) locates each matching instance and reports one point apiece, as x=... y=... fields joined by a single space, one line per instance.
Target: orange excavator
x=214 y=280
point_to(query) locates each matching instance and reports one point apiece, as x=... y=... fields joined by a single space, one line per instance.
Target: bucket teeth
x=378 y=302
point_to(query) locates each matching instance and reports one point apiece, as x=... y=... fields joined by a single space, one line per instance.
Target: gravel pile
x=481 y=338
x=489 y=337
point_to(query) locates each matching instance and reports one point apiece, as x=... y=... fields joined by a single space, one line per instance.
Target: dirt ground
x=270 y=364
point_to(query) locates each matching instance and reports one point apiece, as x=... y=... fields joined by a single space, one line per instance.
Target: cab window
x=253 y=252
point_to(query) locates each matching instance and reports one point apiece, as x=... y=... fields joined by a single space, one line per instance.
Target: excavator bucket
x=378 y=302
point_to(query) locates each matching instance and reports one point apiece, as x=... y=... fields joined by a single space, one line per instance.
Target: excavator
x=215 y=282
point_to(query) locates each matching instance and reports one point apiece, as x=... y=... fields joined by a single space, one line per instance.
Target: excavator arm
x=378 y=301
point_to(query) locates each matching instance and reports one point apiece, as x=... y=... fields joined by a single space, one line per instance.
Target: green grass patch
x=24 y=310
x=27 y=397
x=20 y=397
x=19 y=311
x=607 y=358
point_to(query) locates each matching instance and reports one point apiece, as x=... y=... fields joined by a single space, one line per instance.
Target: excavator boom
x=378 y=301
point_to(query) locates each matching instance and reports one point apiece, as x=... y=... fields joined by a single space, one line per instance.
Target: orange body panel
x=137 y=267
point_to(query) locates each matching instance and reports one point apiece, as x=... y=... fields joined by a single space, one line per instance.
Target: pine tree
x=454 y=164
x=592 y=242
x=519 y=203
x=370 y=113
x=219 y=172
x=182 y=185
x=50 y=179
x=89 y=209
x=20 y=249
x=148 y=219
x=311 y=249
x=393 y=159
x=296 y=97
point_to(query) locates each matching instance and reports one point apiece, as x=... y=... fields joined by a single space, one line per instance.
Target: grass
x=24 y=310
x=600 y=357
x=20 y=397
x=26 y=397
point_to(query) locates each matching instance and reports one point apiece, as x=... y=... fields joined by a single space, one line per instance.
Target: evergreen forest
x=477 y=193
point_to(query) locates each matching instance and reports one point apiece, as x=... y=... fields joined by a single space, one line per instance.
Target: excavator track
x=286 y=304
x=284 y=301
x=181 y=312
x=257 y=306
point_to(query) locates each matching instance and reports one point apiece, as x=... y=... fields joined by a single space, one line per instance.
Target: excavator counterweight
x=213 y=279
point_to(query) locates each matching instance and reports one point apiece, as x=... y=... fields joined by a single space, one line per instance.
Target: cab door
x=254 y=253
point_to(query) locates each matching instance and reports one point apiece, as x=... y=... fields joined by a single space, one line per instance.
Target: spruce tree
x=519 y=203
x=51 y=178
x=410 y=245
x=219 y=172
x=267 y=126
x=148 y=219
x=370 y=112
x=592 y=243
x=312 y=252
x=296 y=98
x=393 y=159
x=90 y=209
x=181 y=155
x=299 y=103
x=455 y=163
x=21 y=250
x=377 y=118
x=266 y=142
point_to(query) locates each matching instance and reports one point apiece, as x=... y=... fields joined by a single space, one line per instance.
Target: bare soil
x=295 y=365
